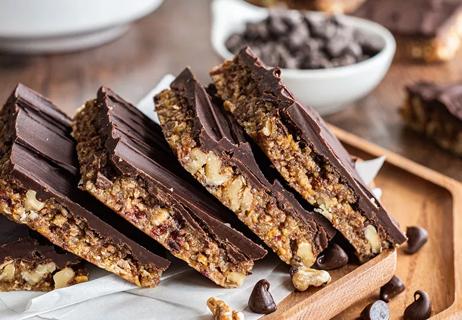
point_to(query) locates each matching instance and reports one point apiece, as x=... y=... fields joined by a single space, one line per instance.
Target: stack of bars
x=236 y=161
x=272 y=162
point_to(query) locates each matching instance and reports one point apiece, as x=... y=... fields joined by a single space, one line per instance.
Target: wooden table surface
x=178 y=35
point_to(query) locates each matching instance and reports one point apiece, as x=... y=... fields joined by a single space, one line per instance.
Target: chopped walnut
x=222 y=311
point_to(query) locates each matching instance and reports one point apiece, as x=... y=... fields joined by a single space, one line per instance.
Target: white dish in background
x=36 y=26
x=327 y=90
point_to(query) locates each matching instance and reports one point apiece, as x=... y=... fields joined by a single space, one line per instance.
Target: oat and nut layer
x=30 y=262
x=38 y=187
x=305 y=152
x=213 y=149
x=127 y=165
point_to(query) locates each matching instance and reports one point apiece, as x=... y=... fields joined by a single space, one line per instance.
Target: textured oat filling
x=22 y=274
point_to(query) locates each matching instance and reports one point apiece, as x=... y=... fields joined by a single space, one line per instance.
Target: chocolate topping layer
x=311 y=129
x=417 y=18
x=19 y=242
x=136 y=147
x=42 y=158
x=439 y=96
x=217 y=131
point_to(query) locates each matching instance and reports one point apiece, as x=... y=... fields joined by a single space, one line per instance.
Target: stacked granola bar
x=295 y=142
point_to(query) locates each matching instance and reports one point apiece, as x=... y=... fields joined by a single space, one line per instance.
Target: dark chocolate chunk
x=420 y=309
x=261 y=301
x=412 y=18
x=378 y=310
x=333 y=257
x=391 y=289
x=276 y=25
x=416 y=238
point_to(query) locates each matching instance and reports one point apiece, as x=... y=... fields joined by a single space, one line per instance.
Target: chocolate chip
x=276 y=25
x=416 y=238
x=261 y=301
x=378 y=310
x=333 y=257
x=420 y=309
x=234 y=42
x=391 y=289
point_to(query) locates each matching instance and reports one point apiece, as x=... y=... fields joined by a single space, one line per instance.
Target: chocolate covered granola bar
x=127 y=165
x=436 y=111
x=305 y=152
x=38 y=187
x=212 y=148
x=428 y=30
x=30 y=262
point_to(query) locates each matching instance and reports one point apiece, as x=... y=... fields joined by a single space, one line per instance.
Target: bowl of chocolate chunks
x=328 y=61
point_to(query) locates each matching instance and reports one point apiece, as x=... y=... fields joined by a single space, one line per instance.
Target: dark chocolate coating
x=306 y=124
x=413 y=18
x=448 y=97
x=378 y=310
x=416 y=238
x=420 y=309
x=17 y=241
x=136 y=147
x=391 y=289
x=218 y=132
x=334 y=257
x=42 y=158
x=260 y=300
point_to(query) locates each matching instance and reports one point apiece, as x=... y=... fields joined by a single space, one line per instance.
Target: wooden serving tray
x=414 y=195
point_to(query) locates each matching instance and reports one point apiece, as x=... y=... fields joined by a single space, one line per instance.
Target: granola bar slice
x=38 y=187
x=30 y=262
x=128 y=166
x=305 y=152
x=436 y=111
x=212 y=148
x=427 y=30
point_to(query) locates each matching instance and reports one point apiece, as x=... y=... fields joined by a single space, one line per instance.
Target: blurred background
x=66 y=53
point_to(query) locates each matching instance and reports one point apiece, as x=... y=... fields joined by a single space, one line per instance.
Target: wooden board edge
x=336 y=297
x=452 y=186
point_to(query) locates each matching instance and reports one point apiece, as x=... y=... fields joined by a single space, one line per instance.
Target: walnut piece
x=305 y=252
x=197 y=159
x=159 y=216
x=303 y=278
x=40 y=272
x=222 y=311
x=235 y=278
x=31 y=203
x=7 y=270
x=373 y=238
x=63 y=277
x=213 y=174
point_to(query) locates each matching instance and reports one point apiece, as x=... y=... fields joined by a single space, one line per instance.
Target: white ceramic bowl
x=35 y=26
x=327 y=90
